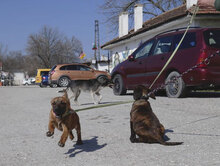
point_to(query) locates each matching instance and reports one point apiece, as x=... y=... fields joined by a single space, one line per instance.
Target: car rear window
x=53 y=67
x=188 y=42
x=44 y=73
x=212 y=38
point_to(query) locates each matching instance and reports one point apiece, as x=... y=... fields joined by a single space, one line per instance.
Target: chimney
x=138 y=16
x=123 y=24
x=190 y=3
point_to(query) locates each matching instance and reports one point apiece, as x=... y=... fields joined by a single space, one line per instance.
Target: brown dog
x=63 y=118
x=144 y=122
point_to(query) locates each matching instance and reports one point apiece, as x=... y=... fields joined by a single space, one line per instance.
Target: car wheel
x=42 y=85
x=177 y=88
x=118 y=87
x=63 y=81
x=53 y=85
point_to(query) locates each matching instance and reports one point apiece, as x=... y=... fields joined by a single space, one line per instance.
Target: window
x=69 y=67
x=63 y=68
x=84 y=68
x=163 y=45
x=145 y=49
x=188 y=42
x=44 y=73
x=212 y=38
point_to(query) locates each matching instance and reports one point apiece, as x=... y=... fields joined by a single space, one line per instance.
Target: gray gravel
x=24 y=113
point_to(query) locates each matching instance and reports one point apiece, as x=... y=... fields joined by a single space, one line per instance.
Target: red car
x=145 y=63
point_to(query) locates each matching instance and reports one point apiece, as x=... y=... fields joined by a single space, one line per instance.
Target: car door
x=69 y=71
x=135 y=68
x=85 y=72
x=160 y=54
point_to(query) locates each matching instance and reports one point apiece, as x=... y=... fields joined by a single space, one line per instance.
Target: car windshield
x=212 y=38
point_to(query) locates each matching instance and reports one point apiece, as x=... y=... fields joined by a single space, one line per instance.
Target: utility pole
x=96 y=46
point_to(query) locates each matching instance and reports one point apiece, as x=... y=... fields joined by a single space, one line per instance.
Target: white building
x=128 y=41
x=18 y=78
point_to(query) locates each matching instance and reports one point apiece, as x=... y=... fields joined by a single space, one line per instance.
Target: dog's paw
x=98 y=102
x=133 y=139
x=79 y=142
x=77 y=103
x=61 y=144
x=49 y=134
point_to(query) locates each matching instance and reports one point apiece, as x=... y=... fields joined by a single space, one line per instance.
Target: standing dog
x=144 y=122
x=93 y=86
x=64 y=119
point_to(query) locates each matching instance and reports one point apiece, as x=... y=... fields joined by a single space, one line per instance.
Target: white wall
x=18 y=78
x=190 y=3
x=103 y=66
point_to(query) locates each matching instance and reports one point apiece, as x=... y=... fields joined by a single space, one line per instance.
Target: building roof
x=165 y=18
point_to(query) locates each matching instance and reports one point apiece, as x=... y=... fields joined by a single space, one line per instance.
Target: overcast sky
x=20 y=18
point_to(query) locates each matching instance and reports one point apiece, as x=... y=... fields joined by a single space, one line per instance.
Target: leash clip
x=207 y=61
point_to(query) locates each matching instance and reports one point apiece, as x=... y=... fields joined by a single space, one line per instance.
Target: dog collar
x=68 y=112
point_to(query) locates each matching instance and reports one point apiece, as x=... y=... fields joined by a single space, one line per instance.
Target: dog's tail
x=170 y=143
x=64 y=90
x=161 y=141
x=65 y=95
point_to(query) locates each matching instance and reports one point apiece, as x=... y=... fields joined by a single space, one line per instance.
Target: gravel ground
x=24 y=113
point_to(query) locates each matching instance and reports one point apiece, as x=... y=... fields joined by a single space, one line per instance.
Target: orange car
x=62 y=74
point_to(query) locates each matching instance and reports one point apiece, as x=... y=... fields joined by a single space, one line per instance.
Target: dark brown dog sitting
x=144 y=122
x=63 y=118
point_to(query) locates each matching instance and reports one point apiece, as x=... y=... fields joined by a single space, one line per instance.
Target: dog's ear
x=65 y=94
x=152 y=95
x=138 y=93
x=66 y=97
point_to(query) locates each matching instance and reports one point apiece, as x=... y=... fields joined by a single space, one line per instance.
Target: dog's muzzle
x=58 y=112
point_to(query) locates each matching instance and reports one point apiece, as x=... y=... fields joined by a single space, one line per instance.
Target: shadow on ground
x=196 y=94
x=193 y=94
x=90 y=145
x=204 y=94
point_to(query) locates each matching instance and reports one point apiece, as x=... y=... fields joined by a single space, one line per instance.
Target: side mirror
x=131 y=58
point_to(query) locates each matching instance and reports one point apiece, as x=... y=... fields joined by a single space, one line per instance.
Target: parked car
x=145 y=63
x=62 y=74
x=44 y=80
x=41 y=72
x=32 y=79
x=28 y=81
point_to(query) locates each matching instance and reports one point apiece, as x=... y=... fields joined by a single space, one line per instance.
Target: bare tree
x=32 y=63
x=13 y=61
x=3 y=52
x=112 y=8
x=51 y=47
x=71 y=48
